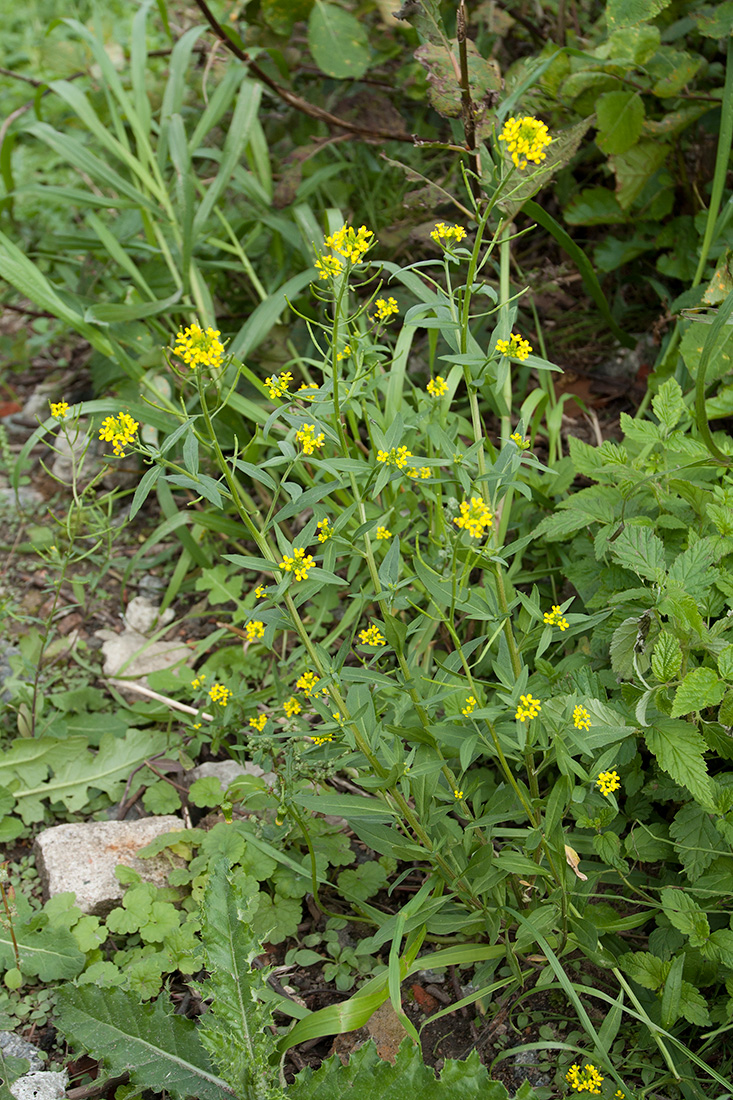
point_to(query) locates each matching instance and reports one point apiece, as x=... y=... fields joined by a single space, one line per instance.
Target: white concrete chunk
x=83 y=858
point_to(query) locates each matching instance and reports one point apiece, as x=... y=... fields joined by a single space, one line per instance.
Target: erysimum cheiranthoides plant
x=375 y=507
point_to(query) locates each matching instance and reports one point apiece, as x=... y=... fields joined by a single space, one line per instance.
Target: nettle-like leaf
x=639 y=549
x=700 y=688
x=643 y=968
x=160 y=1050
x=667 y=657
x=696 y=840
x=686 y=916
x=679 y=748
x=367 y=1076
x=668 y=404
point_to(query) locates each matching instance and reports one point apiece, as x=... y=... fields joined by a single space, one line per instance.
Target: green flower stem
x=505 y=258
x=514 y=655
x=395 y=794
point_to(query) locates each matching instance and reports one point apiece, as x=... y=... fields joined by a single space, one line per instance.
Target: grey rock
x=75 y=455
x=41 y=1086
x=6 y=652
x=144 y=616
x=226 y=771
x=83 y=858
x=525 y=1067
x=12 y=1046
x=25 y=497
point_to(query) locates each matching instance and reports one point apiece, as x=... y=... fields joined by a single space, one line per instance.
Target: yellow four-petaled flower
x=526 y=140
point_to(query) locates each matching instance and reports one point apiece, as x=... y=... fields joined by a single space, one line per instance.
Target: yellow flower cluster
x=259 y=722
x=385 y=308
x=255 y=630
x=344 y=353
x=324 y=529
x=527 y=708
x=321 y=740
x=307 y=391
x=383 y=533
x=437 y=386
x=352 y=244
x=119 y=431
x=515 y=347
x=424 y=471
x=329 y=265
x=199 y=681
x=475 y=517
x=219 y=694
x=608 y=782
x=307 y=683
x=300 y=564
x=587 y=1079
x=523 y=443
x=59 y=409
x=395 y=456
x=457 y=793
x=526 y=139
x=260 y=593
x=199 y=348
x=307 y=436
x=279 y=384
x=448 y=233
x=581 y=718
x=470 y=706
x=372 y=636
x=555 y=617
x=291 y=706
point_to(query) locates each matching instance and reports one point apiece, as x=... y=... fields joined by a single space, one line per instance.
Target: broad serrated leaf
x=692 y=571
x=634 y=168
x=700 y=688
x=368 y=1077
x=667 y=657
x=629 y=13
x=594 y=206
x=679 y=748
x=685 y=915
x=235 y=1031
x=620 y=117
x=695 y=839
x=160 y=1050
x=725 y=663
x=643 y=968
x=639 y=549
x=627 y=644
x=693 y=1006
x=338 y=42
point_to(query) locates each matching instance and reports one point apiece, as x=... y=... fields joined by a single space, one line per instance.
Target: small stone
x=40 y=1086
x=144 y=616
x=12 y=1046
x=83 y=858
x=226 y=771
x=26 y=497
